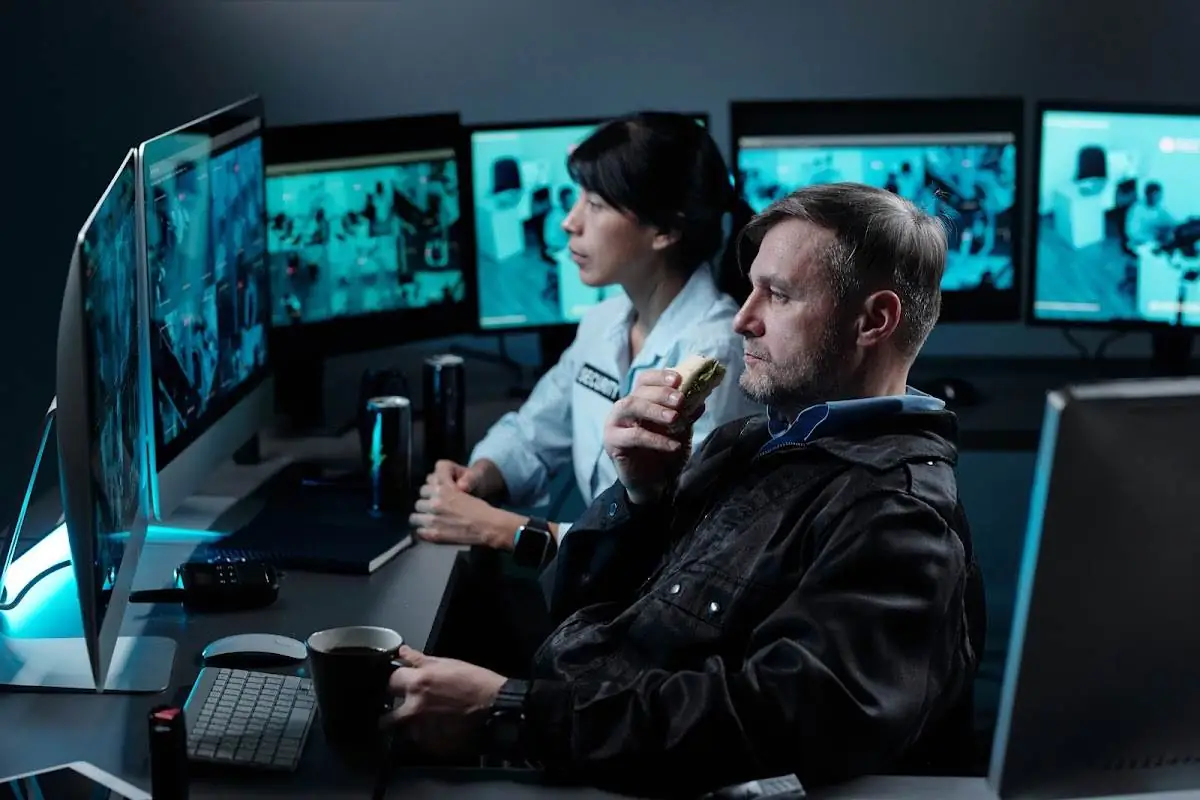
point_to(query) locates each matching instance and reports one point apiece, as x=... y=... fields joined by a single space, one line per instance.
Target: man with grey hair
x=799 y=597
x=848 y=287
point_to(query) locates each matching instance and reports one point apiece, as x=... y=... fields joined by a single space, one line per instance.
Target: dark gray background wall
x=83 y=81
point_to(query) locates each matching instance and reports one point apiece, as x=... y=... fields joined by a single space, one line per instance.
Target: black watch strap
x=506 y=721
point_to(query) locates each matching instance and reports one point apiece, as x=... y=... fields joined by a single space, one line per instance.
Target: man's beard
x=814 y=377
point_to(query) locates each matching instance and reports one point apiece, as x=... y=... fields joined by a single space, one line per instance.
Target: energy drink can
x=168 y=753
x=445 y=410
x=389 y=454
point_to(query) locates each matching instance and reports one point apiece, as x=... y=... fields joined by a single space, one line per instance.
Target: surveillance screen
x=967 y=179
x=523 y=194
x=108 y=259
x=1118 y=218
x=362 y=236
x=208 y=289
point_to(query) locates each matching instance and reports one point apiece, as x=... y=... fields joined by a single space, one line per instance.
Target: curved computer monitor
x=958 y=159
x=101 y=435
x=521 y=192
x=1118 y=217
x=367 y=240
x=206 y=286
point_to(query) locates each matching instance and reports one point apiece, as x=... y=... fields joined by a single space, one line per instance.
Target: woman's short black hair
x=665 y=170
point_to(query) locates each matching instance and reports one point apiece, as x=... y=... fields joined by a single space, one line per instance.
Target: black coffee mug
x=350 y=668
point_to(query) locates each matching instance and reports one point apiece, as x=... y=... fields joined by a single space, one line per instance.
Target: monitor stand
x=43 y=438
x=300 y=393
x=1171 y=352
x=140 y=665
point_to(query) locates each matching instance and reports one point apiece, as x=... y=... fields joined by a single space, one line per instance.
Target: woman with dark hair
x=648 y=217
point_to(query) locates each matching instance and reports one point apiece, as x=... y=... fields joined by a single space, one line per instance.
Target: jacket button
x=714 y=607
x=675 y=589
x=612 y=510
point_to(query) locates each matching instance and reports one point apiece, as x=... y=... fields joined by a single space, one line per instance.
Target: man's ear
x=665 y=238
x=879 y=317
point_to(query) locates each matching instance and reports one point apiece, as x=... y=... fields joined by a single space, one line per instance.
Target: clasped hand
x=646 y=437
x=448 y=510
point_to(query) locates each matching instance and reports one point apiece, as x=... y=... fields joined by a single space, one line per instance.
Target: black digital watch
x=534 y=544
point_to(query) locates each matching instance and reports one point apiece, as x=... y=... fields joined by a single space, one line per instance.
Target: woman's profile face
x=606 y=244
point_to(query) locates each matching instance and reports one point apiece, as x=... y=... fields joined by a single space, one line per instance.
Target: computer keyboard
x=253 y=719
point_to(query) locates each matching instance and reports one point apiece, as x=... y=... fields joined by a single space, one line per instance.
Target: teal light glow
x=54 y=548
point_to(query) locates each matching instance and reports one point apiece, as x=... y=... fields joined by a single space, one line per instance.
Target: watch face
x=530 y=546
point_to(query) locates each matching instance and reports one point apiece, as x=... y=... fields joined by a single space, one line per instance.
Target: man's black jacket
x=815 y=610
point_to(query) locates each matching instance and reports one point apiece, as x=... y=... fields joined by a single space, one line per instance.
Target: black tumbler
x=445 y=410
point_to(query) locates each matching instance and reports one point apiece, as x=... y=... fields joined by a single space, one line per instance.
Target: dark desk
x=110 y=730
x=408 y=595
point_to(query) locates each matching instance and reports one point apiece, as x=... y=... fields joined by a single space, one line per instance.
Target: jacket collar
x=878 y=442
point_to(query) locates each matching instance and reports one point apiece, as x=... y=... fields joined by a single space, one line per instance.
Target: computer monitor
x=101 y=453
x=209 y=296
x=368 y=243
x=521 y=192
x=1099 y=695
x=1118 y=221
x=959 y=159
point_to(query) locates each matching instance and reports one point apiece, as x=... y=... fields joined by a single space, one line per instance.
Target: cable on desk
x=157 y=596
x=1092 y=355
x=10 y=605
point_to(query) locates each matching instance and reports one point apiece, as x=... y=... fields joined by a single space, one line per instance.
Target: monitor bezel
x=74 y=411
x=1035 y=678
x=519 y=126
x=222 y=121
x=1041 y=107
x=906 y=116
x=296 y=144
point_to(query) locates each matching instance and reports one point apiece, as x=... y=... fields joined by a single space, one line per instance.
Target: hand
x=482 y=479
x=444 y=701
x=447 y=515
x=646 y=439
x=449 y=473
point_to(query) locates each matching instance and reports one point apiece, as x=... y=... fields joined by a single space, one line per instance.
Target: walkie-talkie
x=217 y=587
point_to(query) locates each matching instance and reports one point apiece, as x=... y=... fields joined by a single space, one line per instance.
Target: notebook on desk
x=323 y=531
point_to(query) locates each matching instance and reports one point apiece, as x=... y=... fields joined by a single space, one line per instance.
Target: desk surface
x=109 y=731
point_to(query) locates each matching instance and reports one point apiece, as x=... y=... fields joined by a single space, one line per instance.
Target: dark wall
x=86 y=80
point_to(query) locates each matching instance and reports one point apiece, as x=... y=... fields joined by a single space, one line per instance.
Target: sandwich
x=700 y=376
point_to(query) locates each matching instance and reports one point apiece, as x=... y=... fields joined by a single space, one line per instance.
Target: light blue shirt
x=562 y=423
x=828 y=417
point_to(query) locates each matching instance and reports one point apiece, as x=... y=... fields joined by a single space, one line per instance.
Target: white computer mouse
x=253 y=650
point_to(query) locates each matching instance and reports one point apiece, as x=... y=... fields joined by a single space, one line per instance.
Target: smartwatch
x=506 y=721
x=534 y=543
